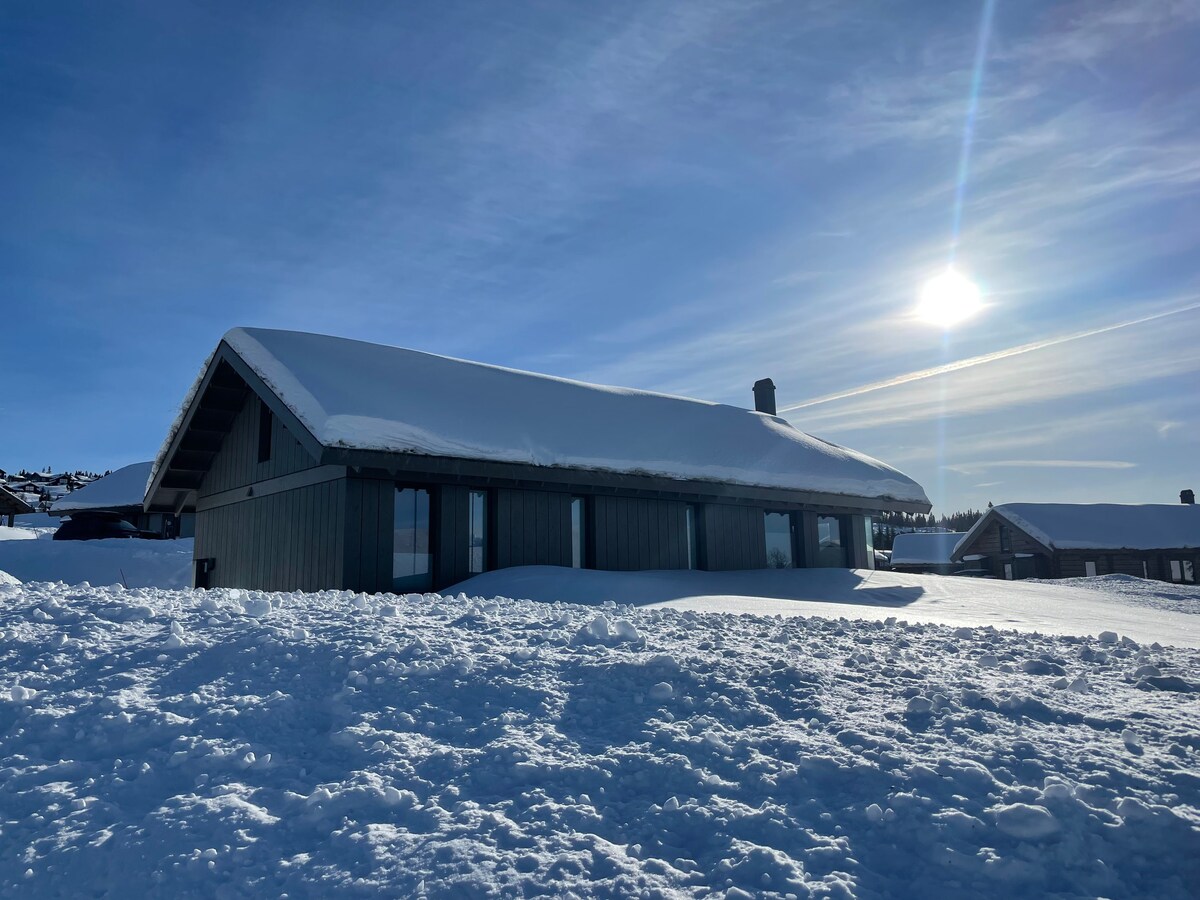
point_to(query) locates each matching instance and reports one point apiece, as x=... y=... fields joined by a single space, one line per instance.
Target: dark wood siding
x=367 y=547
x=734 y=537
x=629 y=534
x=530 y=528
x=277 y=542
x=236 y=463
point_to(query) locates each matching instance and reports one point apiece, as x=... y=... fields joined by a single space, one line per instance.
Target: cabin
x=925 y=552
x=1073 y=540
x=123 y=492
x=12 y=506
x=315 y=462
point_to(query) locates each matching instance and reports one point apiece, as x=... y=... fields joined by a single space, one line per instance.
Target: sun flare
x=948 y=299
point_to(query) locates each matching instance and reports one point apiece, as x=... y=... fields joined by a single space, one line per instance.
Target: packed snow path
x=196 y=744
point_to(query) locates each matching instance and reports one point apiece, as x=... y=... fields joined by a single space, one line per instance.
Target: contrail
x=985 y=358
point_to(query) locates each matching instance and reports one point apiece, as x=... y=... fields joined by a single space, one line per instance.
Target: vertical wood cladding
x=367 y=546
x=734 y=537
x=236 y=463
x=629 y=534
x=526 y=528
x=277 y=542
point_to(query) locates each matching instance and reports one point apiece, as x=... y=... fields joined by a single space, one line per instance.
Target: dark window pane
x=1005 y=539
x=779 y=540
x=411 y=569
x=831 y=549
x=264 y=432
x=477 y=537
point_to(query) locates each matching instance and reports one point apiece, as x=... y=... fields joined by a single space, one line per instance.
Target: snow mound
x=175 y=744
x=132 y=562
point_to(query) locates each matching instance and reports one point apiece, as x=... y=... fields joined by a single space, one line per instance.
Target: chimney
x=1187 y=496
x=764 y=396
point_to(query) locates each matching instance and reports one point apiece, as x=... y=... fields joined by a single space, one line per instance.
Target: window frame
x=790 y=515
x=579 y=536
x=427 y=582
x=266 y=423
x=1006 y=543
x=483 y=494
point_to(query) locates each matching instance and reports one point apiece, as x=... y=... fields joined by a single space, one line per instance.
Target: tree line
x=888 y=525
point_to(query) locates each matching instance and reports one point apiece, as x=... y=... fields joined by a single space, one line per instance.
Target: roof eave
x=399 y=465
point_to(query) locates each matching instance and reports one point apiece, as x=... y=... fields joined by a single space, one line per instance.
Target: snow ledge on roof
x=367 y=396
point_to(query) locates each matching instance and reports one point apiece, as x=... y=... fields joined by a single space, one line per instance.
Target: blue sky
x=682 y=197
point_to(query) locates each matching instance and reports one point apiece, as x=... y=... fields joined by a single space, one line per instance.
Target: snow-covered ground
x=31 y=554
x=233 y=744
x=1145 y=610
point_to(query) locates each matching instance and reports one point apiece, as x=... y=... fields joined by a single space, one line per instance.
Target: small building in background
x=1074 y=540
x=925 y=552
x=12 y=505
x=316 y=462
x=122 y=492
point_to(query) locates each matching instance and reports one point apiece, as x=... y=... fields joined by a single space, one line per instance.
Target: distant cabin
x=315 y=462
x=925 y=552
x=11 y=506
x=1073 y=540
x=123 y=492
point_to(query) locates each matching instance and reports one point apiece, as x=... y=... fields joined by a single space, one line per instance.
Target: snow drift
x=234 y=744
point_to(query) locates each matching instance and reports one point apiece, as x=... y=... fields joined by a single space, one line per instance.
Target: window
x=578 y=554
x=831 y=547
x=1089 y=569
x=476 y=531
x=1008 y=571
x=693 y=557
x=1005 y=539
x=264 y=431
x=1145 y=569
x=1183 y=571
x=779 y=540
x=411 y=560
x=869 y=541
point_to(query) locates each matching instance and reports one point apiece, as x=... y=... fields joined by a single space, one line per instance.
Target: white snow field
x=133 y=562
x=1145 y=610
x=182 y=744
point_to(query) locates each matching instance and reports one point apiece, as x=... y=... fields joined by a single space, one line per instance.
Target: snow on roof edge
x=878 y=481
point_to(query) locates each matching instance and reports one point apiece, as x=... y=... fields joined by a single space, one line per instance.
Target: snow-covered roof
x=12 y=503
x=124 y=487
x=1101 y=526
x=371 y=397
x=924 y=548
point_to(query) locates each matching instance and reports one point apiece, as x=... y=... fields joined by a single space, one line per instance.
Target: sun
x=949 y=299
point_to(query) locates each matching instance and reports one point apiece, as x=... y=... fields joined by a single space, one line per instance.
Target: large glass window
x=1183 y=571
x=411 y=561
x=476 y=531
x=578 y=557
x=779 y=540
x=831 y=547
x=693 y=558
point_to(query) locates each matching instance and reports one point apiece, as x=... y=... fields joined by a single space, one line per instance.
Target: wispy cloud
x=995 y=356
x=975 y=468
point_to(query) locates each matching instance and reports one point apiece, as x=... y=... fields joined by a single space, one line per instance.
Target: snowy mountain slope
x=198 y=744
